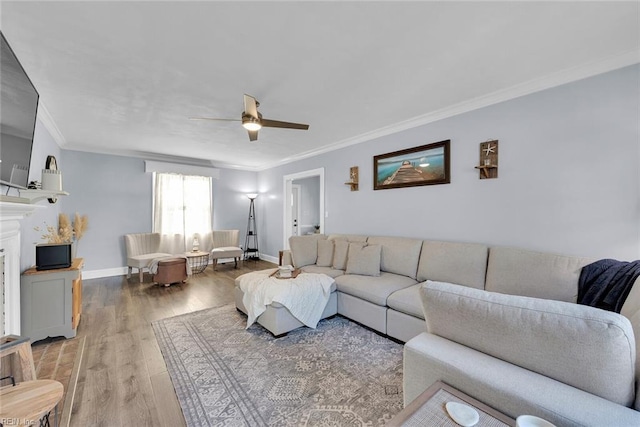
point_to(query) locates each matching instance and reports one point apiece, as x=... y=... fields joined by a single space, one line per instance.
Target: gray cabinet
x=51 y=301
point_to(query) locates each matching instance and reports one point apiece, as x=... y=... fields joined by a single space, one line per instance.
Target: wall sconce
x=353 y=178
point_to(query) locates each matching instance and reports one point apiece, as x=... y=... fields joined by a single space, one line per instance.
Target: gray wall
x=116 y=194
x=43 y=145
x=568 y=179
x=230 y=201
x=569 y=182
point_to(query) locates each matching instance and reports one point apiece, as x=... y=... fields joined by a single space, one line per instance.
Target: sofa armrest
x=504 y=386
x=588 y=348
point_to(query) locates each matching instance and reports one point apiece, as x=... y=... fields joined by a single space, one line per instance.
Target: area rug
x=338 y=374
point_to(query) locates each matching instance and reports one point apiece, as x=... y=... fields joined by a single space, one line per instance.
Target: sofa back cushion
x=635 y=324
x=340 y=251
x=632 y=303
x=534 y=274
x=304 y=249
x=453 y=262
x=341 y=248
x=399 y=255
x=585 y=347
x=363 y=259
x=325 y=253
x=348 y=237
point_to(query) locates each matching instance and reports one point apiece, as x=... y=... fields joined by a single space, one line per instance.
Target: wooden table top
x=76 y=264
x=192 y=254
x=28 y=401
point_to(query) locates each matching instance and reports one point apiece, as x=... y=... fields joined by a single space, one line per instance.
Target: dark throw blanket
x=606 y=283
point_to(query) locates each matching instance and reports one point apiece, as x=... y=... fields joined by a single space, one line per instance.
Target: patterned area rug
x=339 y=374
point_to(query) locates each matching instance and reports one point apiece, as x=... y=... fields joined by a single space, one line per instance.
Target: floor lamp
x=251 y=241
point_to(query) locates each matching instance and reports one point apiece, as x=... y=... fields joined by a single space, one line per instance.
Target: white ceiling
x=123 y=77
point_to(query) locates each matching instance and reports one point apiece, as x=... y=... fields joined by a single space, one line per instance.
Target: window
x=182 y=211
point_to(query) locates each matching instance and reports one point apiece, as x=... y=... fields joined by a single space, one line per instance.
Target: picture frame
x=424 y=165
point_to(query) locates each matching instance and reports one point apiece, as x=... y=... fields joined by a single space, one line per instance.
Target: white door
x=295 y=210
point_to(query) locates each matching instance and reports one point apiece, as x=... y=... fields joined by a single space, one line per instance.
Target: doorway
x=309 y=209
x=295 y=209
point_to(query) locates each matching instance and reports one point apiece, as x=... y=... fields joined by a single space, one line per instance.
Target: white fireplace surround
x=10 y=216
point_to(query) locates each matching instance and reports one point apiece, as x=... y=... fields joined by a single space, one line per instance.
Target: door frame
x=286 y=208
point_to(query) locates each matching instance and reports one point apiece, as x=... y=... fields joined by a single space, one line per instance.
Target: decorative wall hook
x=488 y=159
x=353 y=178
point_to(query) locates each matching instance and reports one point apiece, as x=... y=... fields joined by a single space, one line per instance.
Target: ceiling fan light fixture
x=251 y=123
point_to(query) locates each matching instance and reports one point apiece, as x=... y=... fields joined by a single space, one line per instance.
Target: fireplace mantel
x=10 y=211
x=10 y=215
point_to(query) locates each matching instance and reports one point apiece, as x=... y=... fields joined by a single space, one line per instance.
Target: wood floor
x=123 y=380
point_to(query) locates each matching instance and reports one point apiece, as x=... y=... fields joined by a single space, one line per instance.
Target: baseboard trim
x=107 y=272
x=121 y=271
x=269 y=258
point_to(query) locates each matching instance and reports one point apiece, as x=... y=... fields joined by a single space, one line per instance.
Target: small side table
x=18 y=351
x=198 y=261
x=428 y=409
x=28 y=402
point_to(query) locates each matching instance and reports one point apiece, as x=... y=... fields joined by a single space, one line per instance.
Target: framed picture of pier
x=423 y=165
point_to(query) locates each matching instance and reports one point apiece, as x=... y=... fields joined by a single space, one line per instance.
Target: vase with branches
x=67 y=231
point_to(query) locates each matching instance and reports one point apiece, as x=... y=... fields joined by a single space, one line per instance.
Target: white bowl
x=531 y=421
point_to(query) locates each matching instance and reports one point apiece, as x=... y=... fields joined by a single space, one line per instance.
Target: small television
x=50 y=256
x=19 y=106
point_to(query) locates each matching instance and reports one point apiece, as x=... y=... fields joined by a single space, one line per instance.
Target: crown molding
x=48 y=122
x=536 y=85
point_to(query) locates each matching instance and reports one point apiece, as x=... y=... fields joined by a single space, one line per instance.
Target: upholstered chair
x=142 y=248
x=226 y=244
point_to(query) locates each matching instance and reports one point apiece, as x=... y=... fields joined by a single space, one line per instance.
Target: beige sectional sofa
x=392 y=297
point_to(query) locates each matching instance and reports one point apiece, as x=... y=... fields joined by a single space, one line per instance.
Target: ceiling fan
x=252 y=120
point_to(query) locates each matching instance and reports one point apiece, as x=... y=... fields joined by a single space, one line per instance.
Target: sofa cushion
x=363 y=259
x=588 y=348
x=373 y=289
x=304 y=249
x=534 y=274
x=340 y=250
x=453 y=262
x=143 y=261
x=635 y=324
x=399 y=255
x=325 y=253
x=348 y=237
x=407 y=301
x=632 y=303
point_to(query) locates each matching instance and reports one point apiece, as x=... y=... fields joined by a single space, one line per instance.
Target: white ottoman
x=276 y=318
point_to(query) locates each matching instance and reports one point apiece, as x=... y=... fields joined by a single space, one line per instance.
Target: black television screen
x=18 y=109
x=53 y=255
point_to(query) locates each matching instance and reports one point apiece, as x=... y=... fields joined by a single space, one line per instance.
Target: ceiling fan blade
x=250 y=106
x=253 y=135
x=214 y=119
x=278 y=124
